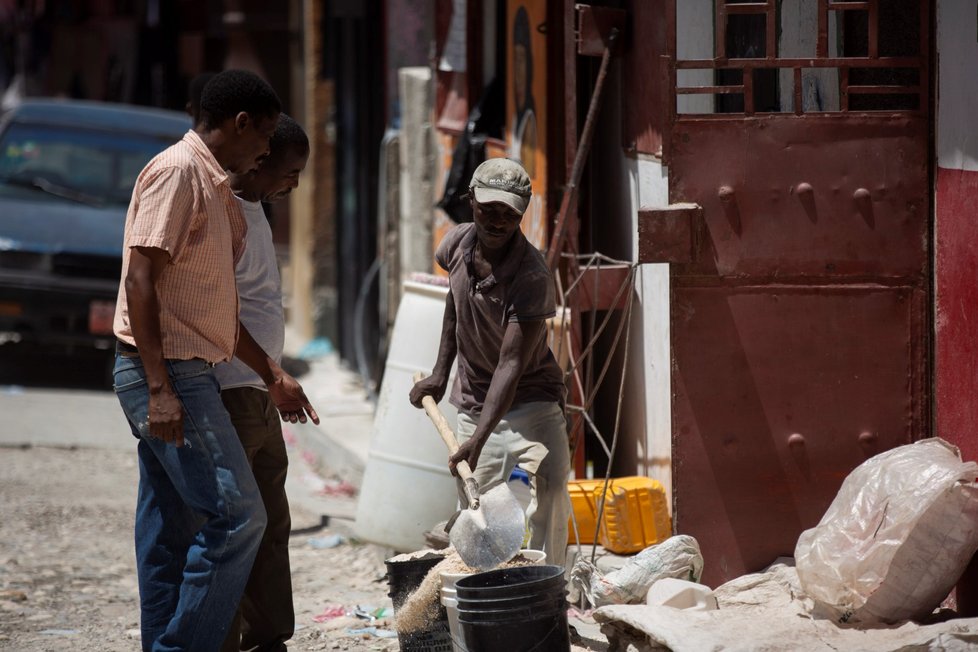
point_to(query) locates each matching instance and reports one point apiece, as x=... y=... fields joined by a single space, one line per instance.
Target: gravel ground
x=67 y=576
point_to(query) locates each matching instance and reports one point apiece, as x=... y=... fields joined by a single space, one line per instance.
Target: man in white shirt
x=265 y=618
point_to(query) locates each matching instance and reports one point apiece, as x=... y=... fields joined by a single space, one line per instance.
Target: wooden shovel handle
x=448 y=436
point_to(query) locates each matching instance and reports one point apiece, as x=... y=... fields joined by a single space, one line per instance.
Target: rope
x=594 y=261
x=614 y=439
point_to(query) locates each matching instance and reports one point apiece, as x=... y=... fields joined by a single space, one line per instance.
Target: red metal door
x=799 y=335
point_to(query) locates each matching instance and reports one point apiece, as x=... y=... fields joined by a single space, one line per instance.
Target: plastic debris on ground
x=329 y=613
x=338 y=488
x=320 y=485
x=677 y=557
x=373 y=631
x=315 y=349
x=329 y=541
x=360 y=619
x=372 y=613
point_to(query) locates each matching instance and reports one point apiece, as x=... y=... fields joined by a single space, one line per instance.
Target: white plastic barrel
x=406 y=486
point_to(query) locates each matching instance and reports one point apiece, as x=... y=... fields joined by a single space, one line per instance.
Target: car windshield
x=92 y=167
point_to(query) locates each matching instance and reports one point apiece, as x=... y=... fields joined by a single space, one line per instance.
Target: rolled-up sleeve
x=449 y=244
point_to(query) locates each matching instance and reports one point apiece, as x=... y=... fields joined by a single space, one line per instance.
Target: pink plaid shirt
x=182 y=204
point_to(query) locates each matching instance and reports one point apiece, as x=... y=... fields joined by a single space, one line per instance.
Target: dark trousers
x=265 y=618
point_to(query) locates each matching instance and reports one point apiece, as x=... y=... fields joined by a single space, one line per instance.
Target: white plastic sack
x=897 y=536
x=677 y=557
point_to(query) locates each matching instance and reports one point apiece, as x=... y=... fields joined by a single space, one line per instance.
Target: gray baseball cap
x=502 y=180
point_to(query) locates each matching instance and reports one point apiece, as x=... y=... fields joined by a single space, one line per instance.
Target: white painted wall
x=650 y=357
x=957 y=106
x=645 y=431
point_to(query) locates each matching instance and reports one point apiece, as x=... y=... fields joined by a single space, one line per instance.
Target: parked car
x=67 y=169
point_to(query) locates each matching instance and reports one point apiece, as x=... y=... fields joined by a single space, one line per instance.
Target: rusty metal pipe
x=570 y=192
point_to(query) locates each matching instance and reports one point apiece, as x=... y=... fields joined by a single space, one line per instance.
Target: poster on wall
x=526 y=106
x=524 y=126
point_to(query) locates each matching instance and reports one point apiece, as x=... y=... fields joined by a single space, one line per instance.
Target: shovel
x=491 y=530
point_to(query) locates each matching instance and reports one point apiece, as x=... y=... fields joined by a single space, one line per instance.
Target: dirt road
x=67 y=577
x=66 y=559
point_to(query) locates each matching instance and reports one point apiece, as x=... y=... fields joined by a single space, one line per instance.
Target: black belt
x=129 y=351
x=125 y=350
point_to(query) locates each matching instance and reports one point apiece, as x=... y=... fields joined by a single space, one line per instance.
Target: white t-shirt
x=260 y=296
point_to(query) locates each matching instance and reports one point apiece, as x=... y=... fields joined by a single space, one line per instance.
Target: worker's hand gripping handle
x=448 y=436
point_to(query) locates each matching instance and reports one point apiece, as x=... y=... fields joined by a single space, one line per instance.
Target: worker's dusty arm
x=284 y=390
x=436 y=384
x=165 y=416
x=520 y=341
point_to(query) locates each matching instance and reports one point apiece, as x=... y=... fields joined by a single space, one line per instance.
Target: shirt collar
x=503 y=271
x=211 y=166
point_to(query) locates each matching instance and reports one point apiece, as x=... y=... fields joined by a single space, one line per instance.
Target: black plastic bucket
x=520 y=609
x=403 y=577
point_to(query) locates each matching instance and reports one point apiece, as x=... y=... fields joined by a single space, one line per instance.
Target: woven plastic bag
x=678 y=557
x=897 y=536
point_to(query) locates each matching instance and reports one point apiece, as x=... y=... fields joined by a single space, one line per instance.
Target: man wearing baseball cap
x=509 y=390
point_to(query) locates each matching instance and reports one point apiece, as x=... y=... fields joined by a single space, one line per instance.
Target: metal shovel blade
x=492 y=534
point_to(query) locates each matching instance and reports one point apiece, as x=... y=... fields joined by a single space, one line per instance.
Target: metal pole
x=570 y=193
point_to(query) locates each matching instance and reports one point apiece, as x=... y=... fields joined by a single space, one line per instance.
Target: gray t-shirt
x=521 y=288
x=260 y=296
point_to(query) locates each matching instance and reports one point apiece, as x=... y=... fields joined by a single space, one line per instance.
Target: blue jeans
x=199 y=514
